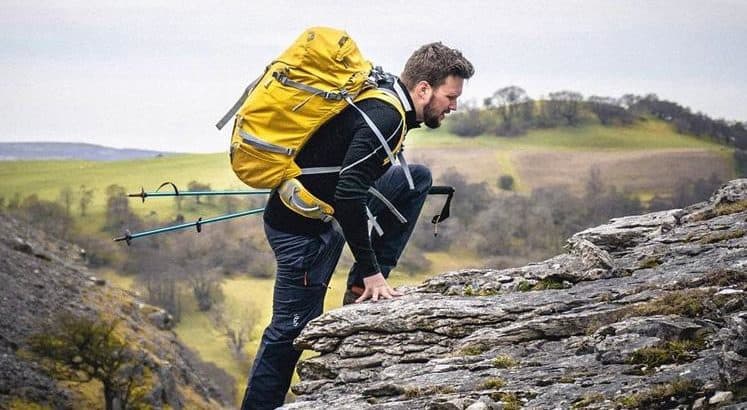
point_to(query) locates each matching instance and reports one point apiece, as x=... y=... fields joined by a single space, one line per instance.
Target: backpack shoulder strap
x=392 y=99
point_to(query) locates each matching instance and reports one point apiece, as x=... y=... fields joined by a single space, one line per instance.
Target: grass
x=659 y=395
x=719 y=236
x=412 y=392
x=47 y=178
x=550 y=282
x=688 y=303
x=470 y=291
x=650 y=261
x=18 y=403
x=454 y=260
x=115 y=279
x=473 y=350
x=510 y=400
x=650 y=134
x=674 y=351
x=493 y=383
x=726 y=277
x=730 y=208
x=587 y=400
x=504 y=362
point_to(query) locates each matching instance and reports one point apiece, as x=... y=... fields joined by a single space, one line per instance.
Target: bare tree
x=467 y=122
x=198 y=186
x=236 y=326
x=47 y=215
x=85 y=197
x=117 y=208
x=229 y=204
x=511 y=103
x=163 y=290
x=609 y=111
x=205 y=287
x=566 y=104
x=66 y=198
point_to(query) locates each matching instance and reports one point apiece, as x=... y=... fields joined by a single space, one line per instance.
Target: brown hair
x=433 y=63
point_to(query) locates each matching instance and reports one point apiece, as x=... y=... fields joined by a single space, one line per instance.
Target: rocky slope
x=644 y=312
x=40 y=278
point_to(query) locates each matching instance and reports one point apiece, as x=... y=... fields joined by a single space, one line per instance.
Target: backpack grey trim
x=396 y=131
x=375 y=192
x=373 y=224
x=406 y=169
x=327 y=95
x=264 y=145
x=237 y=104
x=319 y=170
x=402 y=96
x=376 y=131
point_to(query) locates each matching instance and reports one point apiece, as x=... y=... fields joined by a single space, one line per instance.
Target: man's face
x=443 y=100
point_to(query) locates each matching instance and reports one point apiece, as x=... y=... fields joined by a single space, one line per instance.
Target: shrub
x=506 y=182
x=80 y=349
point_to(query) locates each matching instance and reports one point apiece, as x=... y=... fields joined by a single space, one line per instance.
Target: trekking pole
x=128 y=237
x=446 y=210
x=142 y=194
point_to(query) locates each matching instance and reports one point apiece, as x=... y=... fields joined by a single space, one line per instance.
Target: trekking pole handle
x=441 y=190
x=446 y=210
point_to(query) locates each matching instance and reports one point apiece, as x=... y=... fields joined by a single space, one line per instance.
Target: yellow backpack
x=318 y=76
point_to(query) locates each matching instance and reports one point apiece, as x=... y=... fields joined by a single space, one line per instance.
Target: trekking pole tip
x=127 y=237
x=140 y=195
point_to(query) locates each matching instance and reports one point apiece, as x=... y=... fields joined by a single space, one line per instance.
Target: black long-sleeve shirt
x=345 y=140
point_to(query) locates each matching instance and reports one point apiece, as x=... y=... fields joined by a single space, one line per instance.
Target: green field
x=47 y=178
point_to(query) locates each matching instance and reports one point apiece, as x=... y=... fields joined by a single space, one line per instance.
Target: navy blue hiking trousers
x=304 y=268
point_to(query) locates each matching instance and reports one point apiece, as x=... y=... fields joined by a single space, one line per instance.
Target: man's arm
x=361 y=167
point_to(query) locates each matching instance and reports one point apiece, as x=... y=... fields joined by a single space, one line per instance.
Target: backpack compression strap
x=327 y=95
x=237 y=105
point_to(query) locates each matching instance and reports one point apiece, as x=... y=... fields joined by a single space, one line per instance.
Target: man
x=307 y=250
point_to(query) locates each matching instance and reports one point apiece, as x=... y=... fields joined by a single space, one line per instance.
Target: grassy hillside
x=646 y=157
x=47 y=178
x=643 y=135
x=482 y=158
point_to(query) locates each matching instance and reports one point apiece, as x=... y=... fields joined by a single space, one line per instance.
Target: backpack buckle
x=282 y=78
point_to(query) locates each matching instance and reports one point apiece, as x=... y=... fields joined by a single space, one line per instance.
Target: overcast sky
x=158 y=74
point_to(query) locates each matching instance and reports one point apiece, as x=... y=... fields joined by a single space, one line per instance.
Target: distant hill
x=13 y=151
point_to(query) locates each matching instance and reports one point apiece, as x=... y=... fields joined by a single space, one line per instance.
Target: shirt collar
x=410 y=116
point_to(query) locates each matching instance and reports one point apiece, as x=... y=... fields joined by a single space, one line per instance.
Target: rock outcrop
x=644 y=312
x=41 y=277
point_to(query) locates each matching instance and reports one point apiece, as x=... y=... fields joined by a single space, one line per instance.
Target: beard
x=431 y=117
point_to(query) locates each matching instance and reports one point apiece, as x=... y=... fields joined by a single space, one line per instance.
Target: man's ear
x=423 y=90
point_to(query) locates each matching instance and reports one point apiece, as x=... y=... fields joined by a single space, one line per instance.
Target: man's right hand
x=377 y=287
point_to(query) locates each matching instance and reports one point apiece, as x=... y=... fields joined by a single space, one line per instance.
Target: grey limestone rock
x=637 y=287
